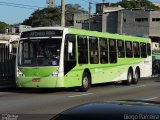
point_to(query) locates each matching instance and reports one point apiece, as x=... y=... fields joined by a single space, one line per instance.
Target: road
x=38 y=101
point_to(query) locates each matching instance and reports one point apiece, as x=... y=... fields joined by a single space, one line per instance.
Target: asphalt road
x=40 y=101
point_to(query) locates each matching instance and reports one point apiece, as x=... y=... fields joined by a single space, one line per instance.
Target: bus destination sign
x=42 y=33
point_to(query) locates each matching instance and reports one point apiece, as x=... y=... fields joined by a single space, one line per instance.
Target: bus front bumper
x=41 y=82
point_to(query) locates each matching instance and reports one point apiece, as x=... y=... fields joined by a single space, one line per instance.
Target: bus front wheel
x=85 y=82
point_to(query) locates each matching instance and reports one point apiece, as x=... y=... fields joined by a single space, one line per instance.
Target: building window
x=124 y=20
x=141 y=19
x=78 y=21
x=85 y=21
x=155 y=19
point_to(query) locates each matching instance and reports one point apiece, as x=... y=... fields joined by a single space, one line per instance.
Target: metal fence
x=7 y=63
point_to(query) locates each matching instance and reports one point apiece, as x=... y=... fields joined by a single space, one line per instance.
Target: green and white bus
x=59 y=57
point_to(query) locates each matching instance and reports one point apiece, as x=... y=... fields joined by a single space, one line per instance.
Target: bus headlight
x=55 y=73
x=19 y=73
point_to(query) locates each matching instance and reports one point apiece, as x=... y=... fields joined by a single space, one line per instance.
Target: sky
x=12 y=13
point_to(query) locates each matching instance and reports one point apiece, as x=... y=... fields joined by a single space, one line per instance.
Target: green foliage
x=3 y=25
x=44 y=17
x=137 y=4
x=52 y=16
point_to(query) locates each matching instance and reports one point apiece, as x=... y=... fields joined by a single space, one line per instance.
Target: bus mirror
x=70 y=47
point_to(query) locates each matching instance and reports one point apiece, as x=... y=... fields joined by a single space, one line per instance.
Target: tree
x=136 y=4
x=44 y=17
x=51 y=16
x=3 y=25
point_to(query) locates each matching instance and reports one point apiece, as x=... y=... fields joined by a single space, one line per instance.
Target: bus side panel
x=74 y=77
x=146 y=67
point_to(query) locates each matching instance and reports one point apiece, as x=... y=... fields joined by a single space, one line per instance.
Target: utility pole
x=89 y=24
x=103 y=6
x=63 y=13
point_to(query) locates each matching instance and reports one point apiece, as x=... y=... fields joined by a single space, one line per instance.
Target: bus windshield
x=39 y=52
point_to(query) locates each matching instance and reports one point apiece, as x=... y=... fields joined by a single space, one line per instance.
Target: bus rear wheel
x=85 y=82
x=129 y=77
x=136 y=77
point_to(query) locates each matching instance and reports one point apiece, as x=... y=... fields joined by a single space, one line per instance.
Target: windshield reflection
x=39 y=52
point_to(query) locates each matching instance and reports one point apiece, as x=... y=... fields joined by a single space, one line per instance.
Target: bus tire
x=129 y=77
x=85 y=82
x=136 y=76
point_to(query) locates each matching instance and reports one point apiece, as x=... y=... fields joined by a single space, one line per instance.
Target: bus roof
x=94 y=33
x=108 y=35
x=44 y=28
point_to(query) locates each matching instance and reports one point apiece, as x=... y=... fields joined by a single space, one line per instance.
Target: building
x=82 y=21
x=139 y=22
x=102 y=21
x=106 y=7
x=12 y=29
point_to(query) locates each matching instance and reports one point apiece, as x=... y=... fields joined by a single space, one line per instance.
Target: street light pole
x=63 y=13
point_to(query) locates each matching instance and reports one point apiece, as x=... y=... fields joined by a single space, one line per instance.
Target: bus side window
x=69 y=58
x=93 y=45
x=129 y=51
x=112 y=51
x=103 y=50
x=82 y=50
x=136 y=49
x=143 y=50
x=148 y=49
x=72 y=39
x=120 y=45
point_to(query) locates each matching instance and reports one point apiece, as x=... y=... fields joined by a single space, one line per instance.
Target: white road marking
x=139 y=86
x=80 y=95
x=151 y=98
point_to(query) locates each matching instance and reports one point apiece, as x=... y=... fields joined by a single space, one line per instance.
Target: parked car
x=119 y=110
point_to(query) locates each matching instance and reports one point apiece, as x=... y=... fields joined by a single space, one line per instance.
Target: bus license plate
x=36 y=80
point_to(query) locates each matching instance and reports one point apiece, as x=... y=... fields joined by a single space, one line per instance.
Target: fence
x=7 y=64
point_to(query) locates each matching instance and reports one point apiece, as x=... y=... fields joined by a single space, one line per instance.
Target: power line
x=19 y=5
x=16 y=6
x=88 y=1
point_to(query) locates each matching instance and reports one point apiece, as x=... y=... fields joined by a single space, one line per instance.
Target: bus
x=59 y=57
